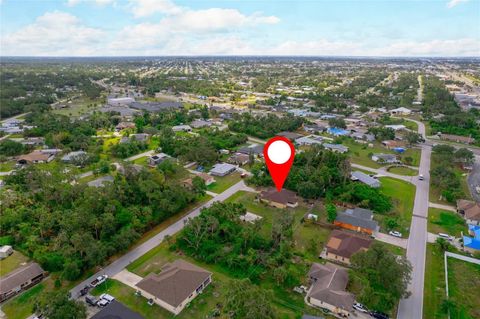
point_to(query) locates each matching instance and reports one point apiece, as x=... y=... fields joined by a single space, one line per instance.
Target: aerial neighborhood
x=139 y=189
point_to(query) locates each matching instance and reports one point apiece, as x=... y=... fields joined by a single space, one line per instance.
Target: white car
x=420 y=177
x=395 y=233
x=358 y=306
x=102 y=303
x=107 y=297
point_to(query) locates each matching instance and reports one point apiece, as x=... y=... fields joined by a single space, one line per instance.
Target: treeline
x=264 y=126
x=70 y=227
x=319 y=173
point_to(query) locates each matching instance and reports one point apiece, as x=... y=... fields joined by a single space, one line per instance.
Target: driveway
x=392 y=240
x=128 y=278
x=123 y=261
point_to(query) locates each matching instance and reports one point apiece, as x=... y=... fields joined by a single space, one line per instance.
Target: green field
x=12 y=262
x=222 y=183
x=434 y=284
x=80 y=106
x=442 y=221
x=403 y=170
x=7 y=166
x=463 y=289
x=402 y=194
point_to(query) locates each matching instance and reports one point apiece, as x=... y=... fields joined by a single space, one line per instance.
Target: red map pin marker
x=279 y=153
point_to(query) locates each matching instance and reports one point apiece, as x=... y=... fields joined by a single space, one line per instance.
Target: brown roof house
x=470 y=211
x=35 y=157
x=239 y=159
x=208 y=179
x=175 y=286
x=457 y=138
x=282 y=199
x=342 y=245
x=20 y=279
x=328 y=289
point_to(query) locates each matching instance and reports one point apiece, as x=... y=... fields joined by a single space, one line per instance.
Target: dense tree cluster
x=264 y=126
x=11 y=148
x=217 y=237
x=71 y=227
x=130 y=148
x=383 y=277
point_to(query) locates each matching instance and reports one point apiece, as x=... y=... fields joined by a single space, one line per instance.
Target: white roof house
x=365 y=179
x=401 y=111
x=222 y=169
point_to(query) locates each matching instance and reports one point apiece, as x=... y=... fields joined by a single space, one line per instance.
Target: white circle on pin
x=279 y=152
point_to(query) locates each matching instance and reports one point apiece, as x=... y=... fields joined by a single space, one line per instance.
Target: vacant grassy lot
x=442 y=221
x=223 y=183
x=402 y=170
x=403 y=195
x=79 y=106
x=434 y=285
x=463 y=289
x=7 y=166
x=12 y=262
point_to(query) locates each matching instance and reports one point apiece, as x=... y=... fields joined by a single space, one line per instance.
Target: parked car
x=99 y=280
x=420 y=177
x=358 y=306
x=102 y=303
x=84 y=291
x=107 y=297
x=445 y=236
x=379 y=315
x=91 y=300
x=395 y=233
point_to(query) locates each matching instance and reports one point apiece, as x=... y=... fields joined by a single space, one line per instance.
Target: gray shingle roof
x=358 y=217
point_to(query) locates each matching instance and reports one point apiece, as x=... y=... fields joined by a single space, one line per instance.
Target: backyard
x=463 y=289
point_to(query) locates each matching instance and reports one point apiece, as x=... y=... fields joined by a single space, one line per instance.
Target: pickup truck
x=99 y=280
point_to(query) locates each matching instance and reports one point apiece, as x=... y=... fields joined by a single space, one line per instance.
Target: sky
x=242 y=27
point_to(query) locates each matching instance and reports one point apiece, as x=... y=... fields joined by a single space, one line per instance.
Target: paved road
x=412 y=307
x=382 y=172
x=122 y=262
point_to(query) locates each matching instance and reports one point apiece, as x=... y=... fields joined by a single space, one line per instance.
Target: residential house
x=385 y=158
x=339 y=148
x=35 y=157
x=200 y=124
x=100 y=182
x=313 y=128
x=360 y=136
x=256 y=150
x=401 y=111
x=342 y=245
x=457 y=138
x=309 y=140
x=250 y=218
x=19 y=280
x=139 y=137
x=472 y=244
x=239 y=159
x=34 y=141
x=175 y=286
x=116 y=310
x=222 y=169
x=357 y=219
x=156 y=159
x=75 y=156
x=470 y=210
x=124 y=125
x=283 y=199
x=290 y=135
x=208 y=179
x=365 y=179
x=181 y=128
x=5 y=251
x=328 y=289
x=120 y=101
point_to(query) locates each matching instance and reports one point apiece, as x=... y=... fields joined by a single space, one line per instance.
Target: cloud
x=453 y=3
x=72 y=3
x=143 y=8
x=457 y=47
x=53 y=34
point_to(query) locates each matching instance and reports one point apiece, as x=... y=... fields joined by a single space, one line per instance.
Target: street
x=123 y=261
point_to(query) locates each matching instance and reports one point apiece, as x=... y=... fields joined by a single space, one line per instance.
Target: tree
x=413 y=138
x=199 y=186
x=331 y=212
x=57 y=305
x=464 y=155
x=383 y=276
x=11 y=148
x=337 y=122
x=443 y=244
x=243 y=300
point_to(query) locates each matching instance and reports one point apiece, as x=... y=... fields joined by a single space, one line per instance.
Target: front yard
x=222 y=183
x=442 y=221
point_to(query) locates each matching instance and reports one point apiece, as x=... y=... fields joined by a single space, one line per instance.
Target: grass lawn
x=392 y=248
x=402 y=194
x=7 y=166
x=402 y=170
x=463 y=289
x=79 y=106
x=434 y=285
x=222 y=183
x=442 y=221
x=141 y=161
x=12 y=262
x=21 y=307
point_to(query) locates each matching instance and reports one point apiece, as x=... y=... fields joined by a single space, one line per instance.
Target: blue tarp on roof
x=399 y=149
x=337 y=131
x=475 y=230
x=471 y=242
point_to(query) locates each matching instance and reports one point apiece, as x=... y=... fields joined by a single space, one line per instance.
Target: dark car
x=84 y=291
x=91 y=300
x=379 y=315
